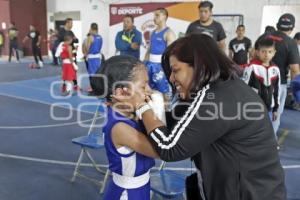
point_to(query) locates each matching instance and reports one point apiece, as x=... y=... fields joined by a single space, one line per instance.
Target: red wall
x=4 y=17
x=25 y=13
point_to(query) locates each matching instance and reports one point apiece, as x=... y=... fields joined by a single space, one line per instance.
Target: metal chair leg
x=77 y=165
x=104 y=181
x=94 y=163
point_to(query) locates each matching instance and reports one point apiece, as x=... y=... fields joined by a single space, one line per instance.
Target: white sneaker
x=41 y=64
x=17 y=61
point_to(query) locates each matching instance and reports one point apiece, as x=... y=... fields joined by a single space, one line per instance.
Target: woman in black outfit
x=223 y=127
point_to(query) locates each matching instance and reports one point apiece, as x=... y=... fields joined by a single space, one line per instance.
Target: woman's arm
x=124 y=135
x=200 y=126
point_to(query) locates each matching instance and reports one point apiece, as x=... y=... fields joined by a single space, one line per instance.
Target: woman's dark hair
x=203 y=54
x=118 y=70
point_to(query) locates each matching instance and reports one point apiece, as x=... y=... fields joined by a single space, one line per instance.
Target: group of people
x=222 y=112
x=129 y=40
x=66 y=50
x=33 y=35
x=224 y=109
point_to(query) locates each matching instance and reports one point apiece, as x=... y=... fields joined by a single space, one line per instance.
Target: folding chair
x=91 y=141
x=167 y=184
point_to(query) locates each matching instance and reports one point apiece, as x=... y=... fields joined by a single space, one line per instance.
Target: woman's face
x=181 y=76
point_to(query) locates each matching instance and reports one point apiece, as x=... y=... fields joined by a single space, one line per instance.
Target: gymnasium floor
x=37 y=157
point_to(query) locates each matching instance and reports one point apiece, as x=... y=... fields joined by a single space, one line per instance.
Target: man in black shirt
x=286 y=57
x=207 y=25
x=66 y=30
x=13 y=41
x=36 y=38
x=240 y=47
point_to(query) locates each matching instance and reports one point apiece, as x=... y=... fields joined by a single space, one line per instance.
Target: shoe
x=30 y=65
x=34 y=65
x=89 y=89
x=41 y=64
x=76 y=88
x=66 y=93
x=17 y=61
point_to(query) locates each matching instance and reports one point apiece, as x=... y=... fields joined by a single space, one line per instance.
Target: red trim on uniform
x=258 y=62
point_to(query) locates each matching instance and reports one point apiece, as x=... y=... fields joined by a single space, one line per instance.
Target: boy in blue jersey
x=93 y=47
x=161 y=37
x=129 y=155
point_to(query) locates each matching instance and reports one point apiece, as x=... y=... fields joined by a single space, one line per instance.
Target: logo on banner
x=126 y=10
x=114 y=10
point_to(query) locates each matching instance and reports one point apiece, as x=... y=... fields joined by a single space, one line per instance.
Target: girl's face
x=181 y=76
x=140 y=84
x=137 y=89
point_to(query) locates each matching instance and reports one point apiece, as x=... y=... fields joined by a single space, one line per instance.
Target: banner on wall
x=181 y=14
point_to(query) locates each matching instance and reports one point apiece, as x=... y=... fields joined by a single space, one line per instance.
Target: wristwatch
x=139 y=112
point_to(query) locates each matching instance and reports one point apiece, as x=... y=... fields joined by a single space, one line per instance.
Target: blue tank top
x=130 y=163
x=96 y=45
x=157 y=42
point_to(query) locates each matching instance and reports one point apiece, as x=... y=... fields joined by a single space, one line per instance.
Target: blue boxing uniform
x=130 y=170
x=157 y=77
x=94 y=55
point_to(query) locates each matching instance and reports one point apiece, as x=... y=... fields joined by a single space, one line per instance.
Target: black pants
x=36 y=51
x=13 y=45
x=1 y=46
x=55 y=60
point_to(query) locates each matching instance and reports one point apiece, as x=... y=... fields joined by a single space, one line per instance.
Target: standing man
x=286 y=57
x=129 y=40
x=240 y=47
x=67 y=31
x=36 y=38
x=13 y=41
x=161 y=37
x=207 y=25
x=53 y=44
